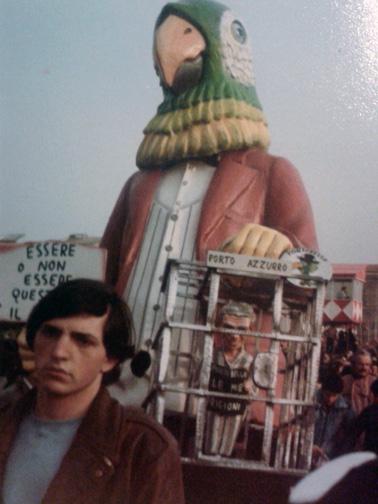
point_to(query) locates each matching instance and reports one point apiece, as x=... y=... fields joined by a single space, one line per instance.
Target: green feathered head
x=201 y=53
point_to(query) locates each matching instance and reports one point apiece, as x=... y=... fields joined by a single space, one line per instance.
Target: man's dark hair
x=374 y=388
x=332 y=383
x=362 y=352
x=90 y=297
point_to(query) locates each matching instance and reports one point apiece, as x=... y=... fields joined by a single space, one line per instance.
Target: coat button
x=99 y=473
x=108 y=462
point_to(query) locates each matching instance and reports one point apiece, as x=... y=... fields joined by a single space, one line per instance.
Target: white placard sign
x=249 y=264
x=302 y=267
x=30 y=270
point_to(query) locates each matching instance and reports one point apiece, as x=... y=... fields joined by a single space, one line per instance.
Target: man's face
x=70 y=355
x=234 y=341
x=329 y=398
x=362 y=366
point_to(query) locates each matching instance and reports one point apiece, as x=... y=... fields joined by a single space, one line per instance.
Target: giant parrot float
x=205 y=178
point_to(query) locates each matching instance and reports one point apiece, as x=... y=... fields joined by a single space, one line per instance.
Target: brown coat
x=248 y=186
x=119 y=455
x=357 y=391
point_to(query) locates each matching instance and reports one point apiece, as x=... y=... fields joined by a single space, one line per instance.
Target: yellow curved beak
x=176 y=41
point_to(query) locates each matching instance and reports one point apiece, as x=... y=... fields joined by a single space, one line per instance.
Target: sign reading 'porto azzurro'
x=250 y=264
x=28 y=271
x=302 y=267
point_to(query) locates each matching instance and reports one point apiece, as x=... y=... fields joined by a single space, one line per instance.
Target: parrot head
x=202 y=57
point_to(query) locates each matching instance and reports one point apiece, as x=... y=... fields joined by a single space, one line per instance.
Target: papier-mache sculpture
x=205 y=179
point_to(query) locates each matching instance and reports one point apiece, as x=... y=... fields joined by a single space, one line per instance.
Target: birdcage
x=268 y=425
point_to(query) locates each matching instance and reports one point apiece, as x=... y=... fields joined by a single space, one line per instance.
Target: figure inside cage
x=231 y=372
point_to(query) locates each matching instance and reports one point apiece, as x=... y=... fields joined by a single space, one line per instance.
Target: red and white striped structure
x=343 y=303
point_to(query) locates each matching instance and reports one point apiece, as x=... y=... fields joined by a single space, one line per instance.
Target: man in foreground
x=67 y=440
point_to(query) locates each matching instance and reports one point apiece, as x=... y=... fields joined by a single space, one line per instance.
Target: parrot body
x=205 y=179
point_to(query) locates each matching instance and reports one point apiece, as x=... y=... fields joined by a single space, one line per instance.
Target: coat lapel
x=228 y=198
x=90 y=462
x=9 y=427
x=141 y=197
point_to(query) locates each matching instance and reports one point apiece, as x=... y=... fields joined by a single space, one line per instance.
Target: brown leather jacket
x=119 y=455
x=248 y=186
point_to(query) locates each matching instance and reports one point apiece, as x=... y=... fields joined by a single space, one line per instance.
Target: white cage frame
x=294 y=436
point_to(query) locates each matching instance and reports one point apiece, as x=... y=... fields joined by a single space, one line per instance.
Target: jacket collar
x=340 y=404
x=90 y=462
x=93 y=431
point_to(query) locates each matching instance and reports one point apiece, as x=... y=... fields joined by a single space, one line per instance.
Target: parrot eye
x=238 y=32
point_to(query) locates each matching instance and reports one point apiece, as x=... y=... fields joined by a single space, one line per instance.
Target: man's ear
x=109 y=364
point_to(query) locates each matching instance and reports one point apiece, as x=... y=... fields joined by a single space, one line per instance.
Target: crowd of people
x=346 y=415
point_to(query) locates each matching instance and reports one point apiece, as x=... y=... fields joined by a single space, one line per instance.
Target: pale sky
x=78 y=86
